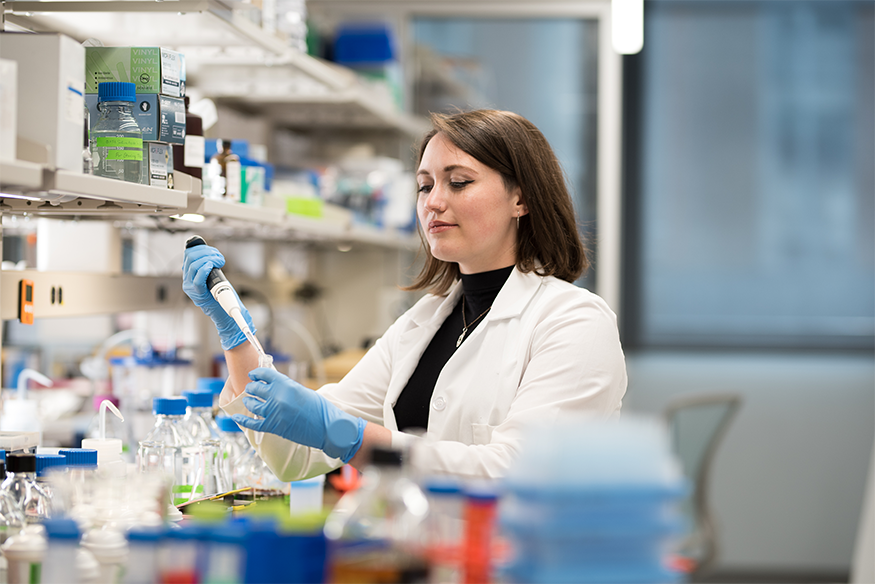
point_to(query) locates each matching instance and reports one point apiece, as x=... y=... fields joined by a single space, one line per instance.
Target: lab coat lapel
x=424 y=324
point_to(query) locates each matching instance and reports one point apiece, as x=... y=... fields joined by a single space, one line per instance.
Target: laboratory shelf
x=146 y=23
x=231 y=210
x=19 y=175
x=64 y=193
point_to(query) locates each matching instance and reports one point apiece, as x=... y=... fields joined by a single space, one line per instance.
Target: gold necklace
x=465 y=325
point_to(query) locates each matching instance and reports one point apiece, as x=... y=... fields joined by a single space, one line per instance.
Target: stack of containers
x=159 y=76
x=594 y=501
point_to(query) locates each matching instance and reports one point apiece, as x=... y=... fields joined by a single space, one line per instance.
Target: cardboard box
x=159 y=163
x=152 y=69
x=51 y=82
x=8 y=108
x=161 y=118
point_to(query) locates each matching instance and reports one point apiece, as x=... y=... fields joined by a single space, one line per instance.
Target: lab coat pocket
x=481 y=433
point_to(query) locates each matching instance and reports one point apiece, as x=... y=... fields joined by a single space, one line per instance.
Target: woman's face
x=467 y=214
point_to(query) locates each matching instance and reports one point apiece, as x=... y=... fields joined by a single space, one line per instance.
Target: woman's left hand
x=301 y=415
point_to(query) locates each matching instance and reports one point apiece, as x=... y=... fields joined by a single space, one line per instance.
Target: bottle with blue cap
x=236 y=447
x=62 y=537
x=46 y=465
x=116 y=139
x=199 y=416
x=181 y=454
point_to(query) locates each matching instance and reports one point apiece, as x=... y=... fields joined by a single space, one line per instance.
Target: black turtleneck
x=479 y=292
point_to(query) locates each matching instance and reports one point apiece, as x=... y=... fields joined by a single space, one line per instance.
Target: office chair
x=697 y=425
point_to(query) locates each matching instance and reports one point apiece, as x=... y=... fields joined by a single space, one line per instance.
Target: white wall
x=788 y=481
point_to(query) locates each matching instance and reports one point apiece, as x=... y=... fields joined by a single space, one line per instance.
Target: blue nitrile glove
x=196 y=266
x=299 y=414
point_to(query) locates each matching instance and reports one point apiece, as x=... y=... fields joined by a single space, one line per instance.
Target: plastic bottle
x=110 y=549
x=21 y=414
x=480 y=509
x=109 y=449
x=79 y=485
x=178 y=555
x=143 y=545
x=21 y=485
x=45 y=465
x=230 y=171
x=445 y=527
x=225 y=555
x=116 y=139
x=189 y=157
x=24 y=556
x=114 y=426
x=376 y=532
x=180 y=452
x=62 y=537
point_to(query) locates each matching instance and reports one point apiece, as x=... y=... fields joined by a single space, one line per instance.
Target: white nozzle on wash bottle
x=31 y=374
x=108 y=449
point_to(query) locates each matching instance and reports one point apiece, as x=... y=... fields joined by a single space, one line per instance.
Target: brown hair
x=547 y=240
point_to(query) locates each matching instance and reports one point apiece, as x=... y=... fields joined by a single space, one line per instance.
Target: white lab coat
x=546 y=348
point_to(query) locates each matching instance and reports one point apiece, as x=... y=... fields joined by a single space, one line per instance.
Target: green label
x=118 y=142
x=124 y=155
x=35 y=573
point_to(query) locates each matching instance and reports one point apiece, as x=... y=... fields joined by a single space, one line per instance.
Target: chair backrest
x=697 y=425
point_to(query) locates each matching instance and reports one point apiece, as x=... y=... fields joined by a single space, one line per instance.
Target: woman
x=503 y=338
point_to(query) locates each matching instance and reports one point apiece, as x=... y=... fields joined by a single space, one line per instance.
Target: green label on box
x=124 y=155
x=118 y=142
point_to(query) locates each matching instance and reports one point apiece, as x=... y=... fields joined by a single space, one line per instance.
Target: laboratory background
x=721 y=160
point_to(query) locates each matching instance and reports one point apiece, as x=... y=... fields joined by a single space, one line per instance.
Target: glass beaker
x=151 y=457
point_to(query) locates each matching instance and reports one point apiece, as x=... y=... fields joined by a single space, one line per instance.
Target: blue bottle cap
x=46 y=462
x=61 y=529
x=198 y=399
x=79 y=457
x=212 y=384
x=116 y=91
x=169 y=406
x=227 y=424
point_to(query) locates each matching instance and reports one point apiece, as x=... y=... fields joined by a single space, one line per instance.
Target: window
x=752 y=185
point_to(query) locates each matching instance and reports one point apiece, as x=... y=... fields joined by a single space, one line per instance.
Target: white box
x=51 y=90
x=8 y=108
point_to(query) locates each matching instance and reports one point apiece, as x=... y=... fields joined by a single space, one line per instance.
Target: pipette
x=223 y=292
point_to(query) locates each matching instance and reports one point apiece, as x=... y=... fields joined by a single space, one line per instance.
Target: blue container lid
x=187 y=533
x=441 y=486
x=79 y=457
x=146 y=534
x=3 y=455
x=198 y=399
x=363 y=44
x=61 y=529
x=45 y=462
x=232 y=533
x=227 y=424
x=169 y=406
x=212 y=384
x=116 y=91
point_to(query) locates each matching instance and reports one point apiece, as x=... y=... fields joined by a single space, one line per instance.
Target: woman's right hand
x=197 y=264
